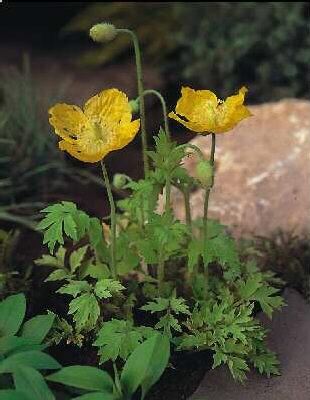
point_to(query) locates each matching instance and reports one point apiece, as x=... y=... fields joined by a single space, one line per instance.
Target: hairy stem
x=207 y=195
x=187 y=207
x=160 y=276
x=140 y=93
x=168 y=193
x=164 y=107
x=113 y=218
x=167 y=131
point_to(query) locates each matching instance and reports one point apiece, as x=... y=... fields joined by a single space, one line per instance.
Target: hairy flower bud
x=135 y=106
x=204 y=173
x=103 y=32
x=119 y=181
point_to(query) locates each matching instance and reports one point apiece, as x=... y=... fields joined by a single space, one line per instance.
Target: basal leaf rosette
x=202 y=112
x=105 y=124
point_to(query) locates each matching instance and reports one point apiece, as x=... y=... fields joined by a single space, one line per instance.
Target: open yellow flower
x=203 y=112
x=103 y=126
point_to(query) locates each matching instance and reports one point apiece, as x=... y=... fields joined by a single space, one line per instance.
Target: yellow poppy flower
x=103 y=126
x=203 y=112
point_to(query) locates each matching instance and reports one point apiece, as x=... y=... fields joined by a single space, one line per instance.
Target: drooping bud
x=103 y=32
x=119 y=181
x=204 y=173
x=135 y=105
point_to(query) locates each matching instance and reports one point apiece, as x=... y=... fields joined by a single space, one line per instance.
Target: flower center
x=100 y=132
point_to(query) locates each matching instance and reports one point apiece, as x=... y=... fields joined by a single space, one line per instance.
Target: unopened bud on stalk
x=135 y=106
x=204 y=173
x=103 y=32
x=119 y=181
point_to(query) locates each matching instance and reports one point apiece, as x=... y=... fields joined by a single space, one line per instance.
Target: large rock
x=262 y=177
x=289 y=337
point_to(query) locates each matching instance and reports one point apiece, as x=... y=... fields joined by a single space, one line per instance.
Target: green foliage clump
x=141 y=371
x=286 y=254
x=21 y=352
x=194 y=290
x=22 y=357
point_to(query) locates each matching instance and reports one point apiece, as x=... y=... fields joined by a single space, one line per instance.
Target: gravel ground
x=289 y=337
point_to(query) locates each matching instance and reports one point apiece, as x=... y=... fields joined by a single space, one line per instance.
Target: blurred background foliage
x=31 y=166
x=13 y=278
x=28 y=155
x=216 y=45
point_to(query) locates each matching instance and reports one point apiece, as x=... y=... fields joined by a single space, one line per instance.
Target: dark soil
x=183 y=377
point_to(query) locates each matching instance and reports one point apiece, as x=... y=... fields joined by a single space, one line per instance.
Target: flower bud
x=103 y=32
x=119 y=181
x=204 y=173
x=135 y=106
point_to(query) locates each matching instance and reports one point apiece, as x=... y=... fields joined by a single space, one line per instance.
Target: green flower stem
x=113 y=218
x=118 y=385
x=160 y=276
x=186 y=189
x=164 y=107
x=167 y=131
x=187 y=207
x=207 y=195
x=168 y=193
x=140 y=92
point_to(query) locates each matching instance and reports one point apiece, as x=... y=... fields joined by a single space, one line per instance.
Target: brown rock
x=262 y=177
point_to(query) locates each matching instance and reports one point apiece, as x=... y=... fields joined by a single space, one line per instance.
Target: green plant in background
x=21 y=352
x=22 y=357
x=148 y=274
x=220 y=44
x=12 y=279
x=140 y=372
x=27 y=153
x=152 y=34
x=286 y=254
x=7 y=243
x=264 y=45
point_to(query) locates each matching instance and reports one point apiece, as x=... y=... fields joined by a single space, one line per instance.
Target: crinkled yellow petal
x=193 y=126
x=125 y=134
x=76 y=151
x=111 y=110
x=198 y=107
x=196 y=104
x=69 y=122
x=108 y=108
x=231 y=112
